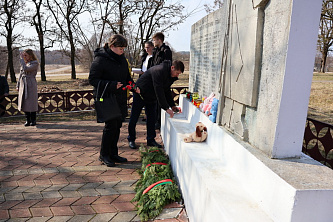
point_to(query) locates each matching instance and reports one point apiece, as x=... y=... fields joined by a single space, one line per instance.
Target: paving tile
x=18 y=219
x=103 y=217
x=105 y=199
x=69 y=194
x=60 y=218
x=85 y=201
x=26 y=204
x=125 y=197
x=47 y=202
x=90 y=186
x=109 y=191
x=66 y=201
x=183 y=216
x=32 y=196
x=41 y=212
x=123 y=206
x=83 y=210
x=9 y=204
x=51 y=194
x=19 y=189
x=4 y=214
x=73 y=187
x=43 y=182
x=104 y=208
x=168 y=213
x=54 y=187
x=81 y=218
x=37 y=189
x=62 y=211
x=107 y=185
x=89 y=192
x=14 y=196
x=17 y=213
x=38 y=219
x=124 y=216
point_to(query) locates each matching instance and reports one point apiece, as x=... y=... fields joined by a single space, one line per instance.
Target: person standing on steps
x=27 y=86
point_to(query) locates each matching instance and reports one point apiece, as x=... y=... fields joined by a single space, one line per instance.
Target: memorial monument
x=257 y=57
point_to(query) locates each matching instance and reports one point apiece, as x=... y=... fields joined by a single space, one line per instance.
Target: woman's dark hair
x=117 y=40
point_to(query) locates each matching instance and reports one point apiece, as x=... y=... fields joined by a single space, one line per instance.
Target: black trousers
x=110 y=138
x=150 y=109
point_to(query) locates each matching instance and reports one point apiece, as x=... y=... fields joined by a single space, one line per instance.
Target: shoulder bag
x=106 y=108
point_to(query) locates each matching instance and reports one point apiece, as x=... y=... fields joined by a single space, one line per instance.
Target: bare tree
x=65 y=14
x=325 y=37
x=216 y=5
x=136 y=20
x=10 y=17
x=42 y=25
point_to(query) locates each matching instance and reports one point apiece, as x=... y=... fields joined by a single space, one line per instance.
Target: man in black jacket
x=161 y=53
x=154 y=87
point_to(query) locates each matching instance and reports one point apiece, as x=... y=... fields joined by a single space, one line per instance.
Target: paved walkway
x=50 y=172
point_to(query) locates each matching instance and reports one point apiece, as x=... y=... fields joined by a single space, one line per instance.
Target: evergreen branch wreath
x=156 y=187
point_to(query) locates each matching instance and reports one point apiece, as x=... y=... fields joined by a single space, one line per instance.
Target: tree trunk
x=323 y=59
x=71 y=42
x=10 y=57
x=40 y=33
x=42 y=62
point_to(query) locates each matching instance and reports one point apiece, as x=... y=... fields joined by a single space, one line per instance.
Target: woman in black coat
x=110 y=66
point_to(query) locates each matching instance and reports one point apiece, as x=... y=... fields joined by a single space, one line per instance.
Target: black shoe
x=106 y=161
x=27 y=123
x=154 y=143
x=118 y=159
x=132 y=145
x=33 y=123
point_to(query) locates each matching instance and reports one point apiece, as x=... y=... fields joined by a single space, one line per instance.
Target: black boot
x=33 y=119
x=28 y=117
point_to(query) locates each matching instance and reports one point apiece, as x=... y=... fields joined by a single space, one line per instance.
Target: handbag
x=106 y=108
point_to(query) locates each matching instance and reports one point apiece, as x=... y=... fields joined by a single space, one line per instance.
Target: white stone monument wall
x=263 y=73
x=206 y=52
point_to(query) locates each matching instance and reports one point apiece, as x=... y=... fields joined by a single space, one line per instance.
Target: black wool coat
x=107 y=66
x=155 y=85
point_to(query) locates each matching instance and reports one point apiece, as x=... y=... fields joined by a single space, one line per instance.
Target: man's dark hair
x=179 y=65
x=150 y=43
x=117 y=40
x=159 y=35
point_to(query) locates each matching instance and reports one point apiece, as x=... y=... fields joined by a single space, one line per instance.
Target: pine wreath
x=156 y=187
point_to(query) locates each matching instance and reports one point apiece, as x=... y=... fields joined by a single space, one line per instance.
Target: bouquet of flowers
x=131 y=86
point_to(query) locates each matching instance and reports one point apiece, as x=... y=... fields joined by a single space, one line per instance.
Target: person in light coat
x=27 y=86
